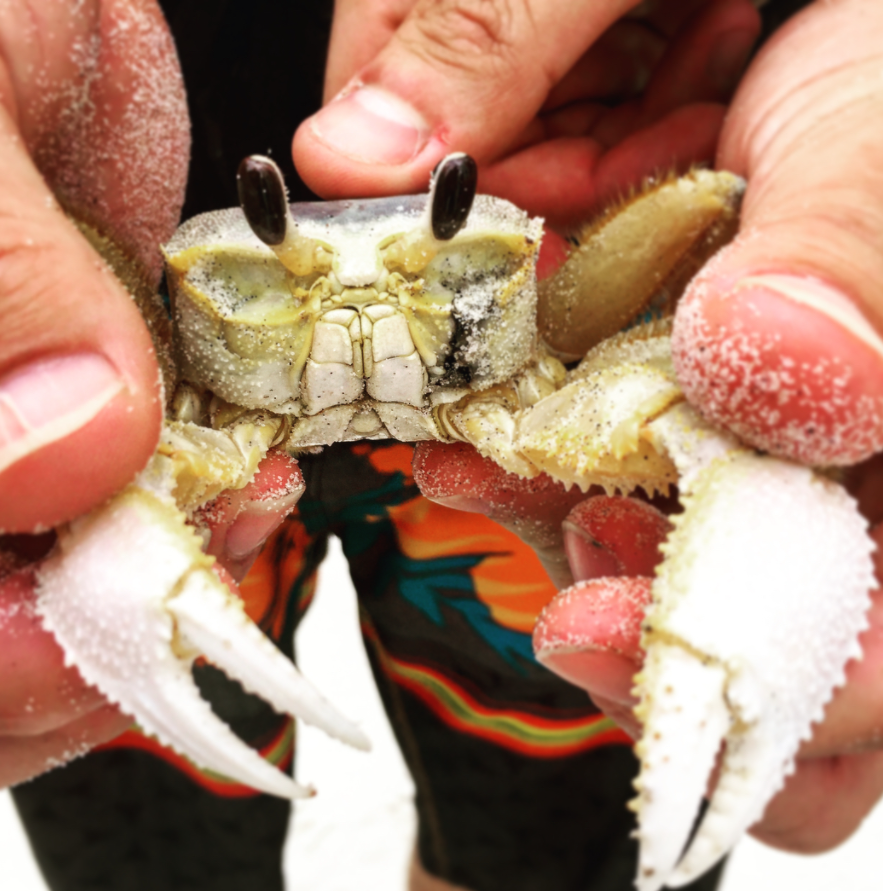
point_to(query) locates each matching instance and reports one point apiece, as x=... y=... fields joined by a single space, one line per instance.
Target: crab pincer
x=133 y=600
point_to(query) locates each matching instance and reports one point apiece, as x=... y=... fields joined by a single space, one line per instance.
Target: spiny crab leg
x=134 y=625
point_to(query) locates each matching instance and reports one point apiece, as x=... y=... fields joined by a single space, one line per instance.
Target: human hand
x=590 y=635
x=563 y=105
x=93 y=123
x=48 y=715
x=779 y=340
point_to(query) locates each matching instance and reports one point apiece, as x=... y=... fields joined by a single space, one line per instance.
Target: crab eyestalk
x=451 y=193
x=264 y=201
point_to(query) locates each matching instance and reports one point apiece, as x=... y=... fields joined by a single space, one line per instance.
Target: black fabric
x=124 y=820
x=254 y=70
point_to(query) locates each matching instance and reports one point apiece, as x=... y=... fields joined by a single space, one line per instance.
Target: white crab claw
x=217 y=626
x=755 y=613
x=132 y=600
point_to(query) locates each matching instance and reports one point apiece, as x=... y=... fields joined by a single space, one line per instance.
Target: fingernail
x=372 y=125
x=51 y=399
x=588 y=558
x=462 y=502
x=820 y=297
x=599 y=672
x=729 y=59
x=256 y=523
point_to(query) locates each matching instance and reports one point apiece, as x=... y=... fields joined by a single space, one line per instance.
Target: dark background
x=253 y=71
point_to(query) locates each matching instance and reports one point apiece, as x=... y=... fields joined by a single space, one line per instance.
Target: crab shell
x=380 y=324
x=364 y=325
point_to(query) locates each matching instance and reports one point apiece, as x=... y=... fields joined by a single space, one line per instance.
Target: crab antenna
x=451 y=193
x=264 y=202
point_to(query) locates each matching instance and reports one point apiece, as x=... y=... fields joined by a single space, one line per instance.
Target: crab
x=415 y=318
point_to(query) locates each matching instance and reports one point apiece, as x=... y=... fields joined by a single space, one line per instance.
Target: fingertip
x=614 y=536
x=785 y=361
x=455 y=474
x=443 y=470
x=589 y=635
x=554 y=250
x=599 y=615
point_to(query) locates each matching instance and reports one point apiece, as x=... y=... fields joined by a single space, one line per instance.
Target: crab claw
x=756 y=610
x=134 y=630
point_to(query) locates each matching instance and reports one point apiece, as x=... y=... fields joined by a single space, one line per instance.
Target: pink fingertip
x=554 y=250
x=614 y=536
x=601 y=615
x=255 y=523
x=786 y=362
x=587 y=557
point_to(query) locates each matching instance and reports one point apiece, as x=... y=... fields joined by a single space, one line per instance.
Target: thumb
x=454 y=75
x=80 y=402
x=779 y=338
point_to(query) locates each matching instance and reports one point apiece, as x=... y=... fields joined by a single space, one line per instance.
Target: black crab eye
x=262 y=198
x=454 y=181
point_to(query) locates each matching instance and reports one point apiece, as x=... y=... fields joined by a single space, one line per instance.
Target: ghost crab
x=415 y=319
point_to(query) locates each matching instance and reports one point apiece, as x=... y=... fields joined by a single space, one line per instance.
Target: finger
x=707 y=58
x=80 y=405
x=617 y=65
x=457 y=476
x=778 y=338
x=240 y=521
x=97 y=97
x=823 y=803
x=360 y=29
x=614 y=536
x=702 y=64
x=565 y=180
x=590 y=635
x=22 y=758
x=455 y=75
x=40 y=694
